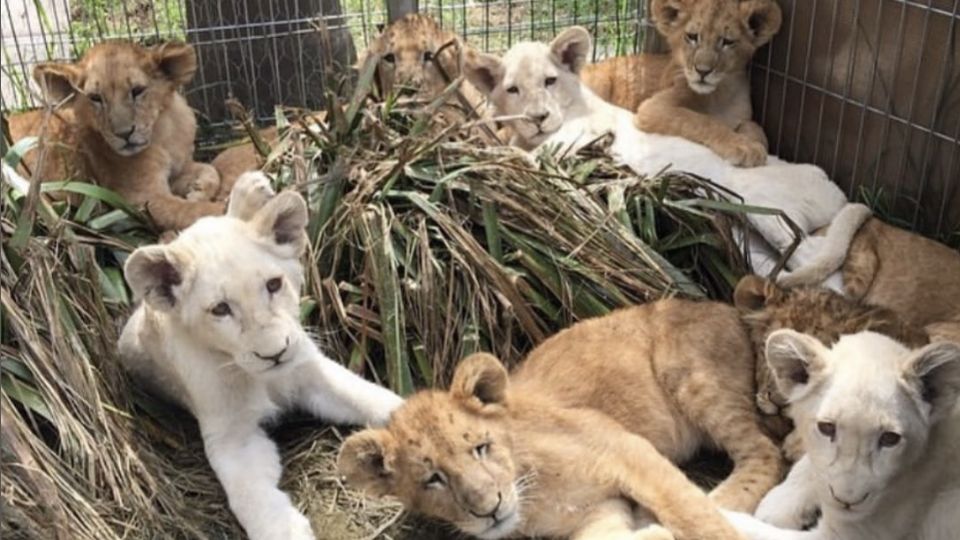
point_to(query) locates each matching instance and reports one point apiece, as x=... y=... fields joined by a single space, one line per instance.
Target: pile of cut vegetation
x=428 y=241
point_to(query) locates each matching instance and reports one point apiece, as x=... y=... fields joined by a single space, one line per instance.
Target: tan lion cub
x=582 y=432
x=218 y=331
x=122 y=123
x=701 y=93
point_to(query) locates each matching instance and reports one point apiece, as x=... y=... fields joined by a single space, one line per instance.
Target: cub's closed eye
x=725 y=42
x=274 y=284
x=389 y=57
x=96 y=98
x=221 y=310
x=889 y=439
x=693 y=38
x=137 y=91
x=427 y=56
x=550 y=81
x=513 y=90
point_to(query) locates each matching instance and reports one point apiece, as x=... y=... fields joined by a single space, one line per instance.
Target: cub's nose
x=124 y=134
x=540 y=118
x=704 y=72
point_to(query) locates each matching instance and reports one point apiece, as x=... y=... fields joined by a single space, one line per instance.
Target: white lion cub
x=539 y=84
x=881 y=428
x=218 y=332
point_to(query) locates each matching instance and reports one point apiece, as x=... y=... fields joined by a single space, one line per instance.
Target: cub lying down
x=578 y=441
x=540 y=83
x=218 y=331
x=881 y=430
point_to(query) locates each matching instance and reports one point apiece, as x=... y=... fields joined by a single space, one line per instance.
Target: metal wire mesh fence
x=868 y=89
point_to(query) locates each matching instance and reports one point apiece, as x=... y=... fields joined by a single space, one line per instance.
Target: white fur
x=866 y=384
x=210 y=363
x=577 y=116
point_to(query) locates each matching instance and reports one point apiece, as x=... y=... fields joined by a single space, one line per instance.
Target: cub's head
x=712 y=38
x=408 y=50
x=537 y=82
x=231 y=284
x=447 y=455
x=864 y=407
x=120 y=88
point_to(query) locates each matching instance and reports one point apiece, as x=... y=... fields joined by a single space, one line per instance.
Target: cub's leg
x=333 y=392
x=248 y=466
x=754 y=529
x=860 y=268
x=170 y=212
x=792 y=504
x=717 y=395
x=196 y=182
x=611 y=520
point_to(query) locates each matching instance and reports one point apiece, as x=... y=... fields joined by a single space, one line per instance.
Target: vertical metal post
x=399 y=8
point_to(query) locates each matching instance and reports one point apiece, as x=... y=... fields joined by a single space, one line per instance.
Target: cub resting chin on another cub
x=578 y=441
x=881 y=430
x=218 y=332
x=539 y=84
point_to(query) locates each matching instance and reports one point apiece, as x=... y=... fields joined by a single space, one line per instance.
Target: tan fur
x=628 y=81
x=564 y=452
x=139 y=146
x=821 y=313
x=714 y=110
x=912 y=275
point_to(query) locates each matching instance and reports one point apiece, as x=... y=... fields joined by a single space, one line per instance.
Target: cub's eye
x=436 y=480
x=274 y=284
x=137 y=91
x=96 y=98
x=889 y=439
x=827 y=429
x=550 y=81
x=726 y=42
x=693 y=38
x=389 y=57
x=427 y=56
x=513 y=90
x=480 y=451
x=221 y=310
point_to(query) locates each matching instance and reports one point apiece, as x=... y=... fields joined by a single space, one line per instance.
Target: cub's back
x=626 y=81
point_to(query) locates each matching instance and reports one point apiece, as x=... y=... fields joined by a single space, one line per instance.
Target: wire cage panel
x=870 y=91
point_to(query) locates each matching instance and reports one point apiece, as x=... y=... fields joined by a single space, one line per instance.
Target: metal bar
x=863 y=112
x=806 y=76
x=826 y=79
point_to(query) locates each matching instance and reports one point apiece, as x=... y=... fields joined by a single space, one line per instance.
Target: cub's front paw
x=251 y=191
x=653 y=532
x=781 y=508
x=291 y=526
x=743 y=151
x=205 y=186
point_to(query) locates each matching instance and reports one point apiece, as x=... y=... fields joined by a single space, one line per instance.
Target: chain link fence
x=867 y=89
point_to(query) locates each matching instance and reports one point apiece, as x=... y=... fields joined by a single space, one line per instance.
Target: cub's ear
x=283 y=219
x=58 y=81
x=484 y=71
x=795 y=359
x=935 y=371
x=571 y=47
x=480 y=380
x=669 y=14
x=367 y=460
x=156 y=274
x=761 y=19
x=753 y=293
x=176 y=61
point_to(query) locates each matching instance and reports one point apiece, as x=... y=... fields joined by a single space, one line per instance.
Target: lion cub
x=218 y=331
x=881 y=430
x=121 y=122
x=701 y=93
x=571 y=442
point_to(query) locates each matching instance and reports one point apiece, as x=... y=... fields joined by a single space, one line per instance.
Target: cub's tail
x=819 y=256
